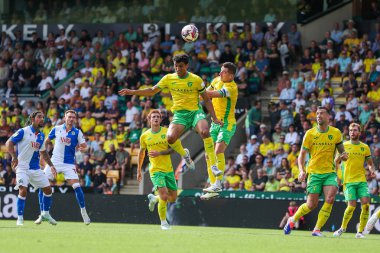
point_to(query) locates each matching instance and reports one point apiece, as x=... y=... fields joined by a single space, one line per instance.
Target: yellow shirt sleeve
x=163 y=83
x=142 y=141
x=306 y=144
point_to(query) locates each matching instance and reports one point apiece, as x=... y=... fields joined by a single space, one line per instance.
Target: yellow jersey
x=321 y=146
x=353 y=170
x=157 y=141
x=225 y=106
x=185 y=91
x=265 y=148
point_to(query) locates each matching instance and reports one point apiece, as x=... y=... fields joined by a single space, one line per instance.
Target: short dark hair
x=181 y=58
x=71 y=111
x=230 y=66
x=323 y=108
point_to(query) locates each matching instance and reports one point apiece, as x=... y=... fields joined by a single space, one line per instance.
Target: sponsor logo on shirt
x=66 y=141
x=35 y=145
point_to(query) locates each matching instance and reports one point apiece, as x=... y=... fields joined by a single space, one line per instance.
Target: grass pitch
x=71 y=237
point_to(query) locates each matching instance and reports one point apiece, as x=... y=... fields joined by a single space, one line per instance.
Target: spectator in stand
x=294 y=37
x=266 y=146
x=287 y=182
x=288 y=94
x=269 y=168
x=232 y=181
x=9 y=176
x=46 y=82
x=99 y=180
x=260 y=181
x=254 y=118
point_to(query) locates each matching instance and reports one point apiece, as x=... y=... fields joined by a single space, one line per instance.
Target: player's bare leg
x=172 y=136
x=203 y=130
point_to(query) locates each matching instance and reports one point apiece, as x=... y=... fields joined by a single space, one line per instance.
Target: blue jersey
x=29 y=143
x=65 y=143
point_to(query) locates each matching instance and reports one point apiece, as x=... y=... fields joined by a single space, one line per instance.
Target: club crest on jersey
x=189 y=84
x=35 y=145
x=362 y=149
x=163 y=136
x=72 y=133
x=330 y=137
x=66 y=141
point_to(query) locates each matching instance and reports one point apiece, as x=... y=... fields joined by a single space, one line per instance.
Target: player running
x=321 y=142
x=354 y=180
x=224 y=92
x=185 y=88
x=67 y=138
x=29 y=142
x=160 y=167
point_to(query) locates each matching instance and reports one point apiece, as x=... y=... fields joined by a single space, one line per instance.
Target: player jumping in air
x=223 y=91
x=29 y=142
x=160 y=167
x=321 y=142
x=354 y=180
x=67 y=138
x=185 y=88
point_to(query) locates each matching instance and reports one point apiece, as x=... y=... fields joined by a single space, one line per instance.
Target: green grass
x=70 y=237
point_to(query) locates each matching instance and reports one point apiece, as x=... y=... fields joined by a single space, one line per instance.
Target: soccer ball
x=189 y=33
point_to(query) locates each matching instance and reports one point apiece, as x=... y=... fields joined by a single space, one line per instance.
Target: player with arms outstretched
x=67 y=139
x=29 y=142
x=224 y=93
x=160 y=167
x=320 y=142
x=185 y=88
x=354 y=180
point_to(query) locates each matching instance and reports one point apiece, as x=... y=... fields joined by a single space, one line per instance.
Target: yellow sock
x=177 y=147
x=221 y=163
x=162 y=209
x=323 y=215
x=378 y=214
x=302 y=211
x=363 y=217
x=209 y=172
x=210 y=151
x=347 y=216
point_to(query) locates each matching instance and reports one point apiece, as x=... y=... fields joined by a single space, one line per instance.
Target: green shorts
x=188 y=118
x=355 y=191
x=163 y=179
x=224 y=133
x=316 y=182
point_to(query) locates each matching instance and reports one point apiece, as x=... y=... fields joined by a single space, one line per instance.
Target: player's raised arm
x=210 y=108
x=144 y=92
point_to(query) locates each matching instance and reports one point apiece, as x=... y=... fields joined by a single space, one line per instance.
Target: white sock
x=45 y=212
x=20 y=217
x=164 y=222
x=218 y=183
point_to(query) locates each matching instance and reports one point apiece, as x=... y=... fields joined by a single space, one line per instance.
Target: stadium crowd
x=340 y=72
